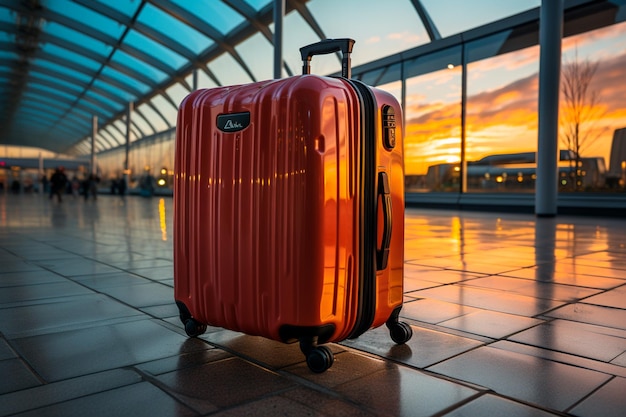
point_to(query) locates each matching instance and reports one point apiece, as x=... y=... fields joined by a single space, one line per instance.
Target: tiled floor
x=512 y=315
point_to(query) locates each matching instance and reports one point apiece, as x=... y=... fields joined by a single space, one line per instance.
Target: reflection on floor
x=512 y=315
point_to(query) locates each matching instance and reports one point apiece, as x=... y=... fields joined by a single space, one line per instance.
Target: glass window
x=455 y=16
x=432 y=142
x=593 y=69
x=384 y=75
x=501 y=121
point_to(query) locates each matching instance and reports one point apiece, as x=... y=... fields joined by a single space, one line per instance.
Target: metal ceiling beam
x=429 y=24
x=250 y=14
x=203 y=27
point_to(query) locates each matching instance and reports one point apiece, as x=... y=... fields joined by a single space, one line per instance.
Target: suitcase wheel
x=193 y=328
x=320 y=359
x=400 y=332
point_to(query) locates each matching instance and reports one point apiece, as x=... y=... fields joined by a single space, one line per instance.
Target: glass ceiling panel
x=160 y=21
x=155 y=49
x=32 y=86
x=140 y=122
x=166 y=108
x=228 y=72
x=203 y=80
x=67 y=55
x=30 y=97
x=6 y=55
x=215 y=13
x=6 y=16
x=108 y=102
x=258 y=4
x=455 y=16
x=95 y=109
x=255 y=52
x=129 y=61
x=82 y=14
x=156 y=120
x=177 y=92
x=293 y=24
x=62 y=70
x=110 y=72
x=78 y=38
x=114 y=90
x=126 y=7
x=34 y=74
x=120 y=132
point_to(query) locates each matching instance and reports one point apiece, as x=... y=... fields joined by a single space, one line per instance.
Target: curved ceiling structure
x=62 y=62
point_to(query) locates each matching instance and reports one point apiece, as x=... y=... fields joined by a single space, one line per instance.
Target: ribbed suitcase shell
x=269 y=221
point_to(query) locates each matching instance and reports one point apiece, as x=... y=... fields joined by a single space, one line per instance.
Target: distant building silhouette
x=616 y=175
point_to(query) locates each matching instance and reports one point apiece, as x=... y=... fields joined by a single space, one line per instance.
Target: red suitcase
x=285 y=195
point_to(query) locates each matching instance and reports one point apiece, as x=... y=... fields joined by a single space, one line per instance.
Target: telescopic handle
x=328 y=46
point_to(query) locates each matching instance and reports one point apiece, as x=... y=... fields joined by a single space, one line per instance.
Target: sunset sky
x=502 y=103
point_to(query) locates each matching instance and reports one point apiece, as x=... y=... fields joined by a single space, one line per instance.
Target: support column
x=129 y=112
x=94 y=133
x=279 y=14
x=550 y=35
x=463 y=162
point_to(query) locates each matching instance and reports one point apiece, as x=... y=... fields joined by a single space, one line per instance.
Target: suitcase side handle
x=384 y=192
x=328 y=46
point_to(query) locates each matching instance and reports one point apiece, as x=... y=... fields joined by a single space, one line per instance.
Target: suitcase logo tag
x=233 y=122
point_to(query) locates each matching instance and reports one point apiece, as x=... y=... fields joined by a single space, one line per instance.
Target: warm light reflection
x=162 y=220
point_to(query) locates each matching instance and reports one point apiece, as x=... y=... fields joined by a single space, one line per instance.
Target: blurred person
x=90 y=187
x=75 y=186
x=121 y=186
x=58 y=184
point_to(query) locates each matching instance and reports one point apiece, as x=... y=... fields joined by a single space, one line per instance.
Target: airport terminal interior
x=515 y=292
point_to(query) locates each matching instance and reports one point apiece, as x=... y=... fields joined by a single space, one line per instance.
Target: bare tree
x=579 y=111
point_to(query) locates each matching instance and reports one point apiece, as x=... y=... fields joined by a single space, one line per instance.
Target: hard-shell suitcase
x=289 y=209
